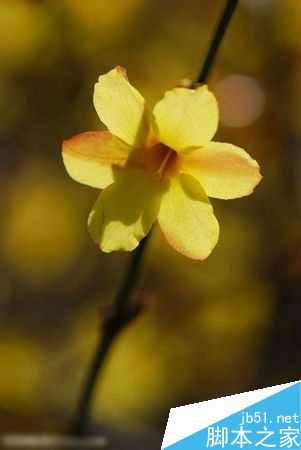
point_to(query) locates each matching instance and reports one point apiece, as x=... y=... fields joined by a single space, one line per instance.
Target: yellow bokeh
x=42 y=230
x=20 y=371
x=103 y=13
x=22 y=32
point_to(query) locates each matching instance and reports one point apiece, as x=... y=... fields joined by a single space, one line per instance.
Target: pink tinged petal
x=186 y=118
x=121 y=107
x=90 y=158
x=186 y=218
x=224 y=170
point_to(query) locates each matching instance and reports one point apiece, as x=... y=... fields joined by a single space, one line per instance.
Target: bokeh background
x=226 y=325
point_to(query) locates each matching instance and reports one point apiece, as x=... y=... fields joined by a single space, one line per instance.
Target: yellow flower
x=157 y=166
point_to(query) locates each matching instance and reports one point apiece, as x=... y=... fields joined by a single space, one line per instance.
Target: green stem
x=123 y=311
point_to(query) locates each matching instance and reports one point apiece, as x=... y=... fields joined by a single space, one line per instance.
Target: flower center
x=161 y=159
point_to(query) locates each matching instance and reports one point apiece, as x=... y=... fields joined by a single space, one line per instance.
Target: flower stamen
x=164 y=162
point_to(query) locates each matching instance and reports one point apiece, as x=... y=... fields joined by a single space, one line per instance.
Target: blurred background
x=226 y=325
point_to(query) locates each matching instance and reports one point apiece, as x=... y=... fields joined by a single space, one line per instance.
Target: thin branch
x=121 y=314
x=217 y=38
x=123 y=311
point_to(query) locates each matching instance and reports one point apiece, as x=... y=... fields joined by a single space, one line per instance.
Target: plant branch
x=217 y=38
x=123 y=310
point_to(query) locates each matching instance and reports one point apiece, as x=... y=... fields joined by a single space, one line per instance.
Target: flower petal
x=121 y=107
x=186 y=118
x=125 y=211
x=224 y=170
x=90 y=157
x=186 y=218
